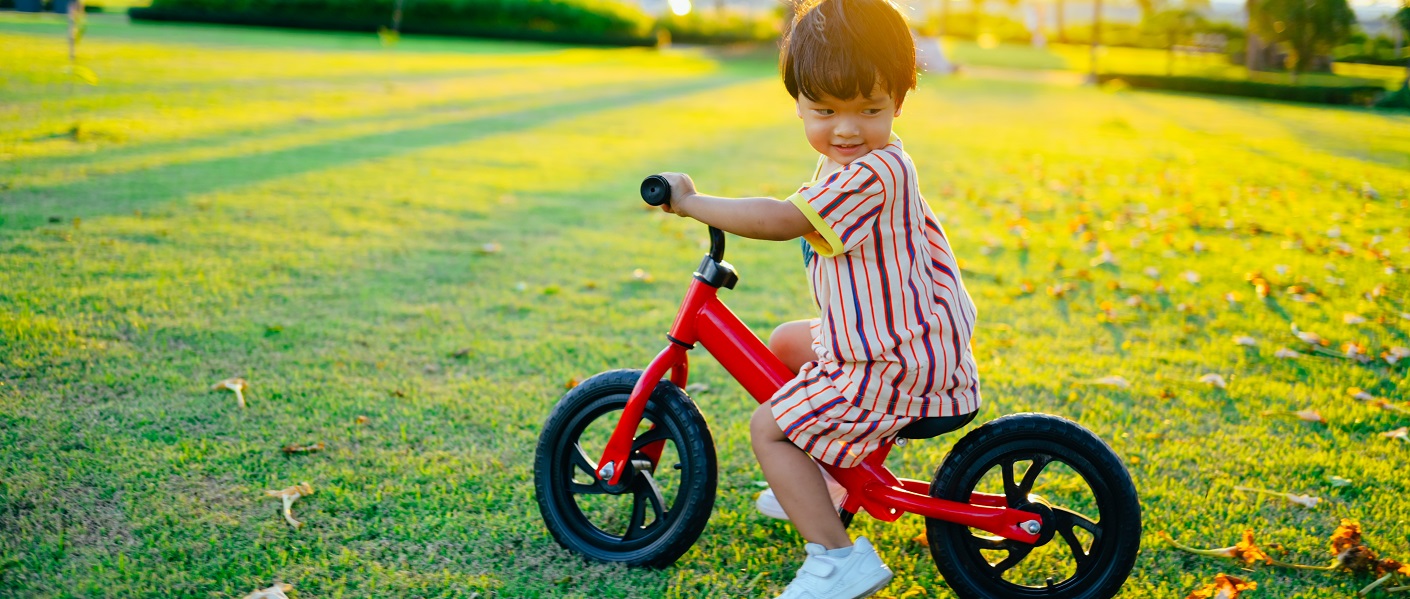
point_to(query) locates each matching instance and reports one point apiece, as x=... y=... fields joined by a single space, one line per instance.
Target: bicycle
x=978 y=504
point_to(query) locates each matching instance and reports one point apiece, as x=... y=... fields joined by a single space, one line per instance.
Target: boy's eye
x=872 y=111
x=822 y=111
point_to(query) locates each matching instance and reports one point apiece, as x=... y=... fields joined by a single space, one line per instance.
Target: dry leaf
x=1223 y=587
x=490 y=248
x=237 y=385
x=361 y=420
x=1215 y=380
x=1350 y=318
x=293 y=448
x=289 y=496
x=1402 y=433
x=1307 y=501
x=570 y=384
x=1245 y=341
x=274 y=592
x=642 y=275
x=1190 y=276
x=1309 y=337
x=1112 y=381
x=1359 y=393
x=1245 y=550
x=1286 y=354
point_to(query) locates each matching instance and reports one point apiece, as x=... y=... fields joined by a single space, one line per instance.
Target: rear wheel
x=661 y=503
x=1060 y=471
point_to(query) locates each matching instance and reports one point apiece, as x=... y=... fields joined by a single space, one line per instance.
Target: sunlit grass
x=315 y=219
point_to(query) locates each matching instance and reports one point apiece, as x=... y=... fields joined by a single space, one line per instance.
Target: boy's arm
x=755 y=218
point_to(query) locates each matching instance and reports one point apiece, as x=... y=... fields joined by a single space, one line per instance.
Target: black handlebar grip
x=655 y=190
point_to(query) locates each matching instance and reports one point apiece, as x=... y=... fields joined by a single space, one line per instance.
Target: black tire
x=653 y=515
x=1079 y=471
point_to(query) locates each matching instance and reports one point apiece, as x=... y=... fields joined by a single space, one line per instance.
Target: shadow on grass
x=27 y=209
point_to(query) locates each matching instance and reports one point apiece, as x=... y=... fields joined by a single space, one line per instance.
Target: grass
x=311 y=212
x=1144 y=61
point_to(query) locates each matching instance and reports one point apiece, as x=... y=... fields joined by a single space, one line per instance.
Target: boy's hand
x=681 y=189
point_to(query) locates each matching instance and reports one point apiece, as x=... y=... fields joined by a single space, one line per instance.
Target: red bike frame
x=705 y=319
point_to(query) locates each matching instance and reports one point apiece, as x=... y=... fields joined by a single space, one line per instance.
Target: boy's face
x=845 y=130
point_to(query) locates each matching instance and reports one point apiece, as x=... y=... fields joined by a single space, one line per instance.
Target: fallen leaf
x=1223 y=587
x=1112 y=381
x=697 y=389
x=274 y=592
x=1245 y=341
x=1338 y=481
x=1286 y=354
x=570 y=384
x=1359 y=393
x=1215 y=380
x=237 y=385
x=1350 y=318
x=289 y=495
x=1307 y=501
x=642 y=275
x=490 y=248
x=1402 y=433
x=1190 y=276
x=361 y=420
x=294 y=448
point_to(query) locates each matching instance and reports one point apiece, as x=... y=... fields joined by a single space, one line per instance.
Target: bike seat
x=926 y=428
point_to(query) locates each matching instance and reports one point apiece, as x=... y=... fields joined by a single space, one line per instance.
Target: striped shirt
x=896 y=320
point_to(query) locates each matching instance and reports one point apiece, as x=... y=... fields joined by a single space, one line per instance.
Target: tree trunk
x=1253 y=52
x=1061 y=32
x=1170 y=57
x=75 y=14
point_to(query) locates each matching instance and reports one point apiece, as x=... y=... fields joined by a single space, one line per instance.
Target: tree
x=1310 y=28
x=1177 y=25
x=1402 y=17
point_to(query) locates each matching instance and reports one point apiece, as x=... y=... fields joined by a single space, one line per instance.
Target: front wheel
x=659 y=506
x=1060 y=471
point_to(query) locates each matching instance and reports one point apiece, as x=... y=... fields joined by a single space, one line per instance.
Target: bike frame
x=704 y=319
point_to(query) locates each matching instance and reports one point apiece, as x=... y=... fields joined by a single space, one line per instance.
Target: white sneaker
x=858 y=575
x=769 y=506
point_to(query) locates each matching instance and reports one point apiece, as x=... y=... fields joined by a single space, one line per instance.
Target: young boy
x=892 y=341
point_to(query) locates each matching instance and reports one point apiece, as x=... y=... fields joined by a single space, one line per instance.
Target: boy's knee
x=762 y=426
x=779 y=340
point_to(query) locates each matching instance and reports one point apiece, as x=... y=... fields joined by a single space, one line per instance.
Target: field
x=409 y=253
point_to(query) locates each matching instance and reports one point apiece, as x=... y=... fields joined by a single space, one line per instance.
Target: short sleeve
x=841 y=208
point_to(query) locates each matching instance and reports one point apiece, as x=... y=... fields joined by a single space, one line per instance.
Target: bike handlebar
x=655 y=190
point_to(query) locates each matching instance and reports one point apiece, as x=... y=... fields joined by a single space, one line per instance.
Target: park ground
x=410 y=252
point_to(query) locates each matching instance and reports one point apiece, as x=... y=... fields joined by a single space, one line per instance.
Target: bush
x=1400 y=100
x=709 y=27
x=1360 y=95
x=571 y=21
x=962 y=25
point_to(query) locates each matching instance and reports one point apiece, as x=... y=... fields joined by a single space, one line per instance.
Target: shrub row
x=711 y=27
x=609 y=22
x=1360 y=95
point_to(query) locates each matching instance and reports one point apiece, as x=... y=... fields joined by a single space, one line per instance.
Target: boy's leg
x=792 y=342
x=796 y=482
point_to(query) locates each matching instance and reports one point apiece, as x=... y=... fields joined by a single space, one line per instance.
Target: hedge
x=714 y=27
x=608 y=22
x=1360 y=95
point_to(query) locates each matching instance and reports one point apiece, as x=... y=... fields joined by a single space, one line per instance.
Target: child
x=892 y=341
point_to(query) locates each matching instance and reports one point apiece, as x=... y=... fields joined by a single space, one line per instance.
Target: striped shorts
x=816 y=417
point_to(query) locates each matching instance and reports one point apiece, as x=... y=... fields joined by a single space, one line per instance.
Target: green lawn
x=409 y=253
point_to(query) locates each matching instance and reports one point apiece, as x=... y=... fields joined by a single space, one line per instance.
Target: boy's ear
x=898 y=109
x=798 y=106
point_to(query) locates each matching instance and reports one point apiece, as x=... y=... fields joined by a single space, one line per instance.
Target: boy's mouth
x=847 y=148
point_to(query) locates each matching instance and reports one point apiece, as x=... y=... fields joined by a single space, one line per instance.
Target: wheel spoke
x=1017 y=551
x=991 y=543
x=1011 y=488
x=1031 y=476
x=1067 y=522
x=586 y=489
x=644 y=492
x=581 y=460
x=657 y=433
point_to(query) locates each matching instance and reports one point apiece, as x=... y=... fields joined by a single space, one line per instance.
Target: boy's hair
x=844 y=48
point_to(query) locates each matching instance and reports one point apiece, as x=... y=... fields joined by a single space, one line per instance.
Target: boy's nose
x=846 y=128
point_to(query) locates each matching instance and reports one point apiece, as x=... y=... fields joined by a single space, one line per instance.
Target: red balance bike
x=1028 y=505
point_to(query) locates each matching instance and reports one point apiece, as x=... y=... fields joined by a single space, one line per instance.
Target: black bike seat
x=926 y=428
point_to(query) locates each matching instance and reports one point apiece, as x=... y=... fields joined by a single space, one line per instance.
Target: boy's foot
x=769 y=506
x=823 y=576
